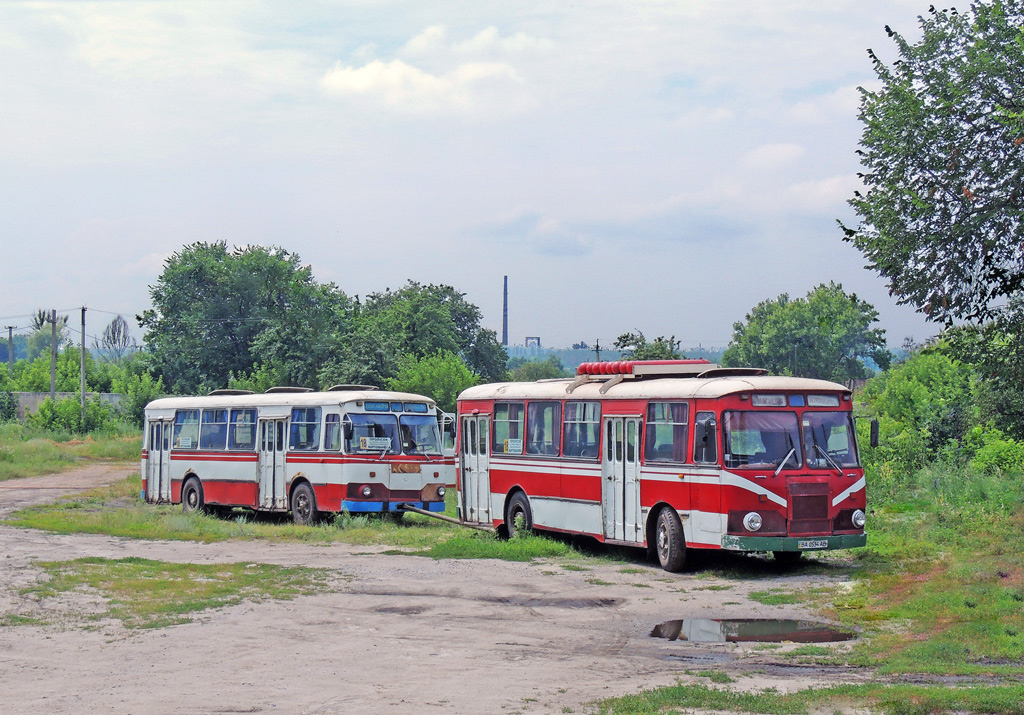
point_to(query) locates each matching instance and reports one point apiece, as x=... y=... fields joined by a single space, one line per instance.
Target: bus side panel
x=329 y=496
x=229 y=493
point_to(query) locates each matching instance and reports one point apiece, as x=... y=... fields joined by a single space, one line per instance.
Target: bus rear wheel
x=518 y=516
x=669 y=542
x=192 y=496
x=304 y=510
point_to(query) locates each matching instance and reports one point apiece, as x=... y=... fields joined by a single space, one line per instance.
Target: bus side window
x=705 y=438
x=332 y=433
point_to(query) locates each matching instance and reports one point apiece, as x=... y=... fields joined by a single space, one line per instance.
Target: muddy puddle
x=750 y=630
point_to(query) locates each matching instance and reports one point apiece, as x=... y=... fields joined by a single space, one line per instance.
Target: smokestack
x=504 y=316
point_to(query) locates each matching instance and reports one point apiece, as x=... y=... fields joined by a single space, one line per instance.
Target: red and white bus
x=351 y=448
x=667 y=455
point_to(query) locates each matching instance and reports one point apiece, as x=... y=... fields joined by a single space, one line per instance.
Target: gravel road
x=400 y=634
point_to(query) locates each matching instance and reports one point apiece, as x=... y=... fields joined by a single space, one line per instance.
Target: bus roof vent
x=351 y=388
x=225 y=392
x=733 y=372
x=647 y=368
x=277 y=390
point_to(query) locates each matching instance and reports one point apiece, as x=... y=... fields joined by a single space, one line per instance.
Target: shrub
x=66 y=416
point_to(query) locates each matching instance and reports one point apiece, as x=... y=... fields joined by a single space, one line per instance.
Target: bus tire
x=518 y=510
x=192 y=496
x=304 y=505
x=669 y=541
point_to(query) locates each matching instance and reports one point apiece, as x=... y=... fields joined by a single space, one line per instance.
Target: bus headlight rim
x=752 y=521
x=859 y=519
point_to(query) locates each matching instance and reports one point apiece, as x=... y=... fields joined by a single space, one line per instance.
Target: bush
x=8 y=407
x=66 y=416
x=995 y=453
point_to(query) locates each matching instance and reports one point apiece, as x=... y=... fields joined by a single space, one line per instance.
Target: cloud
x=399 y=85
x=773 y=156
x=538 y=234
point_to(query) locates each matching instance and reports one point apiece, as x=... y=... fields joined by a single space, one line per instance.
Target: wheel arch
x=651 y=527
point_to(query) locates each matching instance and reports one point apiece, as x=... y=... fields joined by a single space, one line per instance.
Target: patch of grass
x=19 y=619
x=152 y=594
x=894 y=699
x=26 y=452
x=775 y=597
x=117 y=510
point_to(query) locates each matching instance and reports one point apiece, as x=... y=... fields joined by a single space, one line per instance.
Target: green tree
x=420 y=320
x=530 y=370
x=634 y=346
x=218 y=313
x=441 y=376
x=827 y=335
x=942 y=216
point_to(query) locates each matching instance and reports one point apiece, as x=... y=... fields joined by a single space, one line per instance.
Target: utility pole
x=82 y=369
x=10 y=349
x=53 y=355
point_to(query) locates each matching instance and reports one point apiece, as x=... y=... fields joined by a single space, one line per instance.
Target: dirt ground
x=401 y=634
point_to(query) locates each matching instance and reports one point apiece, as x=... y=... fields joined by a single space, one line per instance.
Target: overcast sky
x=652 y=166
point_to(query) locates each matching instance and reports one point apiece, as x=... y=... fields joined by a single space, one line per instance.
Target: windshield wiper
x=785 y=461
x=828 y=457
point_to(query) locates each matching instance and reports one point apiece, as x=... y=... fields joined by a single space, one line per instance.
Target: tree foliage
x=827 y=335
x=441 y=376
x=530 y=370
x=635 y=346
x=943 y=158
x=218 y=312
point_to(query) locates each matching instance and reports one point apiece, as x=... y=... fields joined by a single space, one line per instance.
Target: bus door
x=158 y=465
x=272 y=463
x=620 y=469
x=476 y=480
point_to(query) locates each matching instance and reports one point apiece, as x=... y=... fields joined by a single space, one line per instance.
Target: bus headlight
x=752 y=521
x=367 y=491
x=859 y=519
x=441 y=491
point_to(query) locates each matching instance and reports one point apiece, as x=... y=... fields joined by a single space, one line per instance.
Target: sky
x=630 y=166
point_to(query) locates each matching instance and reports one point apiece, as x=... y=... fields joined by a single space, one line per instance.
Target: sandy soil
x=401 y=634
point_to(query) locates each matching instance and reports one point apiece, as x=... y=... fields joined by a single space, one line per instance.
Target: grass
x=141 y=593
x=25 y=452
x=895 y=699
x=116 y=510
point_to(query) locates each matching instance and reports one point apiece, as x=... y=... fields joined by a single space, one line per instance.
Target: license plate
x=815 y=544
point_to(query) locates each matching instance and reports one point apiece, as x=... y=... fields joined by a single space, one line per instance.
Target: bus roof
x=648 y=388
x=277 y=399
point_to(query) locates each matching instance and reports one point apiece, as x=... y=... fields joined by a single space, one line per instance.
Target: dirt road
x=402 y=634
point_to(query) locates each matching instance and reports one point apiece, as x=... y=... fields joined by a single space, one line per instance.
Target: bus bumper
x=354 y=507
x=793 y=543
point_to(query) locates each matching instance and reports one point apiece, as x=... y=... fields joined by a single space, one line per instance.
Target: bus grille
x=809 y=509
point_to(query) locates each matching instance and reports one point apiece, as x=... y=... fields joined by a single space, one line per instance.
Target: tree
x=218 y=313
x=423 y=319
x=530 y=370
x=42 y=333
x=634 y=346
x=116 y=341
x=827 y=335
x=441 y=376
x=942 y=218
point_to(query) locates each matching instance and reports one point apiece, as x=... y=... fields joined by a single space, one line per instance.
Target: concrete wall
x=30 y=401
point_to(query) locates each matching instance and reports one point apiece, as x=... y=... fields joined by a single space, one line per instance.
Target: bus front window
x=828 y=438
x=419 y=434
x=372 y=433
x=761 y=440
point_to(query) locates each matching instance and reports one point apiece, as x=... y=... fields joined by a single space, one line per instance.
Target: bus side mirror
x=874 y=433
x=349 y=431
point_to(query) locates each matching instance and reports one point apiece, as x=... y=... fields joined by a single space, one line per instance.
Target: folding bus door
x=272 y=464
x=476 y=480
x=158 y=465
x=620 y=471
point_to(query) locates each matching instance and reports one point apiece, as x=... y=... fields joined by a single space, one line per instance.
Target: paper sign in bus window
x=374 y=443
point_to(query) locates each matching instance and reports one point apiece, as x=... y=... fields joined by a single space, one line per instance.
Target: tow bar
x=442 y=517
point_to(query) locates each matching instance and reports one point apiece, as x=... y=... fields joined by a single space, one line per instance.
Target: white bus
x=352 y=448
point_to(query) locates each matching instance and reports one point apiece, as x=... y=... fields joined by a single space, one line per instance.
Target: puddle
x=538 y=602
x=750 y=630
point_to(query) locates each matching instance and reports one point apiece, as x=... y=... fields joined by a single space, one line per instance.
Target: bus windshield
x=761 y=440
x=828 y=439
x=419 y=434
x=372 y=433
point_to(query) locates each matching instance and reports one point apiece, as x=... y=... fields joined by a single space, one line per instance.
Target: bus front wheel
x=519 y=516
x=192 y=496
x=670 y=544
x=304 y=505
